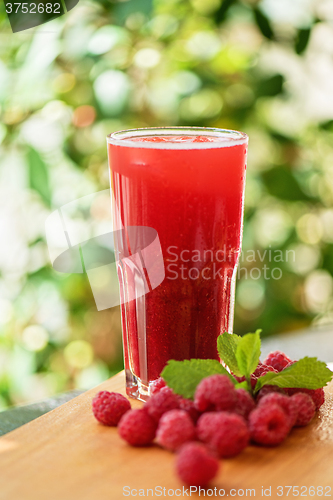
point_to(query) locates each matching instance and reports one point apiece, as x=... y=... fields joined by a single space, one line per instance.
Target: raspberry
x=188 y=406
x=215 y=392
x=109 y=407
x=306 y=408
x=257 y=371
x=277 y=360
x=156 y=386
x=289 y=364
x=245 y=403
x=137 y=428
x=269 y=425
x=253 y=380
x=226 y=433
x=161 y=402
x=174 y=429
x=259 y=364
x=267 y=389
x=261 y=370
x=207 y=425
x=286 y=403
x=196 y=465
x=317 y=395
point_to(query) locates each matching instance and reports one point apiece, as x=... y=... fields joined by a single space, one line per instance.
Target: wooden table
x=66 y=455
x=297 y=344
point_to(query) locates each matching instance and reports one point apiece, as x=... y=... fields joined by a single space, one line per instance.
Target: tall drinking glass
x=178 y=197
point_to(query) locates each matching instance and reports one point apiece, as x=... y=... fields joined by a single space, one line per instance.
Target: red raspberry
x=174 y=429
x=226 y=433
x=267 y=389
x=137 y=428
x=245 y=403
x=156 y=385
x=242 y=379
x=317 y=395
x=161 y=402
x=259 y=364
x=207 y=424
x=215 y=392
x=188 y=406
x=257 y=372
x=109 y=407
x=254 y=380
x=269 y=425
x=277 y=360
x=306 y=408
x=285 y=402
x=289 y=364
x=196 y=465
x=261 y=370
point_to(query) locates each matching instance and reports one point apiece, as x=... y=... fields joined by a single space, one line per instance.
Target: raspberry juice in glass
x=187 y=186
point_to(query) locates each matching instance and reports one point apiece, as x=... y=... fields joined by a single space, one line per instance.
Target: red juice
x=188 y=185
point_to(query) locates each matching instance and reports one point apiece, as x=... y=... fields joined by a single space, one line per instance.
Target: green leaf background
x=223 y=63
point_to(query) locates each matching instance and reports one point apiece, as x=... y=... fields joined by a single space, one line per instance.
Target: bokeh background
x=264 y=67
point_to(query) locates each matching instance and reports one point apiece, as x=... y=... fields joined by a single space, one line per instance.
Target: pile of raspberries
x=219 y=423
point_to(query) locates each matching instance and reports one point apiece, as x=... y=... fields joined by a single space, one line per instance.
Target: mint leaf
x=184 y=376
x=307 y=373
x=242 y=385
x=248 y=353
x=226 y=345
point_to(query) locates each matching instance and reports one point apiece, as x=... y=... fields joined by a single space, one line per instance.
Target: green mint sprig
x=247 y=354
x=307 y=373
x=184 y=376
x=241 y=356
x=226 y=347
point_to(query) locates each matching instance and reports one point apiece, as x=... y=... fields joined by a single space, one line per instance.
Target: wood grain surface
x=67 y=455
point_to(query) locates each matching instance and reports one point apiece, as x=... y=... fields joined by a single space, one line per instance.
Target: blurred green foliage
x=261 y=67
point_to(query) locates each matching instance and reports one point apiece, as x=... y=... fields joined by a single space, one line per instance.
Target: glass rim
x=228 y=137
